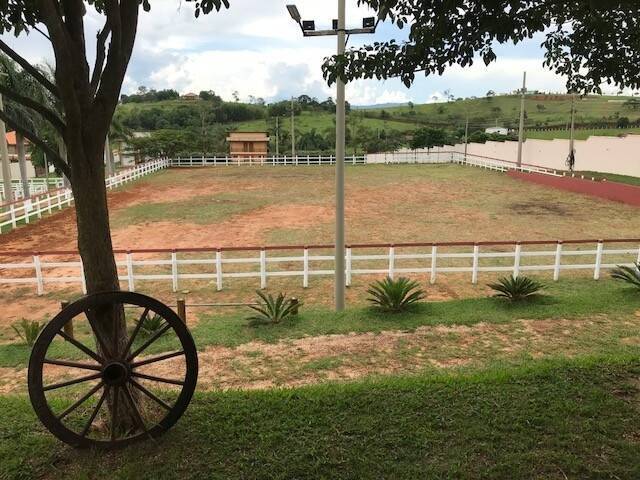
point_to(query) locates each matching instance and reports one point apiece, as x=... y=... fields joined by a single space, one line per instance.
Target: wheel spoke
x=80 y=346
x=136 y=412
x=143 y=347
x=150 y=395
x=95 y=412
x=157 y=379
x=159 y=358
x=80 y=401
x=65 y=363
x=114 y=412
x=71 y=382
x=133 y=336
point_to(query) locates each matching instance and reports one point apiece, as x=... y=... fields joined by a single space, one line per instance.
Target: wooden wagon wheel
x=77 y=383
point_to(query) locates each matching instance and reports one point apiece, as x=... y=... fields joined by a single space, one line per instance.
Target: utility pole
x=340 y=147
x=293 y=131
x=46 y=170
x=466 y=137
x=22 y=165
x=277 y=137
x=521 y=130
x=572 y=153
x=6 y=166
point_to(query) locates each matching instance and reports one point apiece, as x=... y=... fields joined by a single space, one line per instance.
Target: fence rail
x=423 y=259
x=36 y=186
x=25 y=210
x=261 y=160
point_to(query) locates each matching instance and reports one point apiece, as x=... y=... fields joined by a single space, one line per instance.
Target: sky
x=255 y=48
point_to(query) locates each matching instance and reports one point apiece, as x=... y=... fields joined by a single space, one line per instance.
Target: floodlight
x=308 y=25
x=368 y=22
x=295 y=14
x=335 y=24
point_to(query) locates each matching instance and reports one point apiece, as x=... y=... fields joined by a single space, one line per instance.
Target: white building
x=499 y=130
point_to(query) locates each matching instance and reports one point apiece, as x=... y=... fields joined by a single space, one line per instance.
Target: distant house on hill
x=190 y=96
x=13 y=147
x=498 y=130
x=248 y=144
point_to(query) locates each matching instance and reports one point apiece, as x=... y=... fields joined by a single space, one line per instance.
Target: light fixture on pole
x=308 y=28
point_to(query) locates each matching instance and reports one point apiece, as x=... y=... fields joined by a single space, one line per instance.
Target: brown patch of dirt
x=539 y=209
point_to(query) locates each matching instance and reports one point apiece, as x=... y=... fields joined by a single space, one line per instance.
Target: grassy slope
x=559 y=420
x=556 y=111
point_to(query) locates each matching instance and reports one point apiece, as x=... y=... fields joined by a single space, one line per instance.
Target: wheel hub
x=115 y=373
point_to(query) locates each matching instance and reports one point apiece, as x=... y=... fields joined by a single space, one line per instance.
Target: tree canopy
x=591 y=42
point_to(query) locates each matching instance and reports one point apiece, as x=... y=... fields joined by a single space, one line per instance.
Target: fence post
x=218 y=269
x=263 y=268
x=516 y=261
x=38 y=268
x=174 y=270
x=434 y=256
x=638 y=259
x=474 y=269
x=49 y=203
x=348 y=267
x=68 y=327
x=12 y=208
x=305 y=268
x=392 y=261
x=182 y=310
x=132 y=287
x=556 y=268
x=596 y=270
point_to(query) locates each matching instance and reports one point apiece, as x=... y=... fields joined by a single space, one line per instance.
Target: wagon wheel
x=78 y=383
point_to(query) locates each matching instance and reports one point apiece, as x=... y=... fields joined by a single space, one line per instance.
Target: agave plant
x=272 y=310
x=151 y=325
x=516 y=289
x=631 y=275
x=28 y=331
x=395 y=295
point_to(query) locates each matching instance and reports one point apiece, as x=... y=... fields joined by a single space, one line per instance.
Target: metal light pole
x=339 y=29
x=277 y=137
x=293 y=131
x=521 y=130
x=466 y=137
x=6 y=166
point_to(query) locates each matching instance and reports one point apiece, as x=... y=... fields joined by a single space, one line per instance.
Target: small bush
x=395 y=295
x=516 y=289
x=630 y=275
x=28 y=331
x=272 y=310
x=150 y=325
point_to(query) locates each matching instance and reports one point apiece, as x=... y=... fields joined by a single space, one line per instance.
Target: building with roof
x=248 y=145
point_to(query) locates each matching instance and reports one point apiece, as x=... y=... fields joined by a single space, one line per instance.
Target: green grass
x=611 y=177
x=571 y=419
x=581 y=134
x=566 y=299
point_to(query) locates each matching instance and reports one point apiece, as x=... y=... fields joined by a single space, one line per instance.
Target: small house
x=498 y=130
x=248 y=145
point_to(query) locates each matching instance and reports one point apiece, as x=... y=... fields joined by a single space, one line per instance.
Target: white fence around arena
x=36 y=186
x=25 y=210
x=435 y=156
x=430 y=259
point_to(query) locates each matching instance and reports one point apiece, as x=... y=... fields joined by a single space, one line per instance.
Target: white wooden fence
x=426 y=260
x=26 y=210
x=36 y=186
x=258 y=160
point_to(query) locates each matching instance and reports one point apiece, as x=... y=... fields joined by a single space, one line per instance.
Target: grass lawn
x=612 y=177
x=561 y=419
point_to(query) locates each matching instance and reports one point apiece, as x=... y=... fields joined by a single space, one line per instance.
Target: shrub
x=516 y=289
x=150 y=325
x=272 y=310
x=395 y=295
x=28 y=331
x=631 y=275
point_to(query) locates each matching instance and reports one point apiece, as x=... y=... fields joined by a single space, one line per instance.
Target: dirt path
x=345 y=357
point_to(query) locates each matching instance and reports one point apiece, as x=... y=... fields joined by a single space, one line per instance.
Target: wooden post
x=182 y=310
x=296 y=304
x=68 y=327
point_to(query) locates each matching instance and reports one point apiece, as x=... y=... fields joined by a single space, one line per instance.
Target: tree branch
x=100 y=57
x=33 y=138
x=44 y=81
x=46 y=113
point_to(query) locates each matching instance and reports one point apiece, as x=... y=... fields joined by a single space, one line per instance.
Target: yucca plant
x=631 y=275
x=272 y=310
x=28 y=331
x=151 y=325
x=395 y=295
x=516 y=289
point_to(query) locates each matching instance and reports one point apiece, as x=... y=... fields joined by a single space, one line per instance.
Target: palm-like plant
x=631 y=275
x=272 y=310
x=395 y=295
x=516 y=289
x=28 y=331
